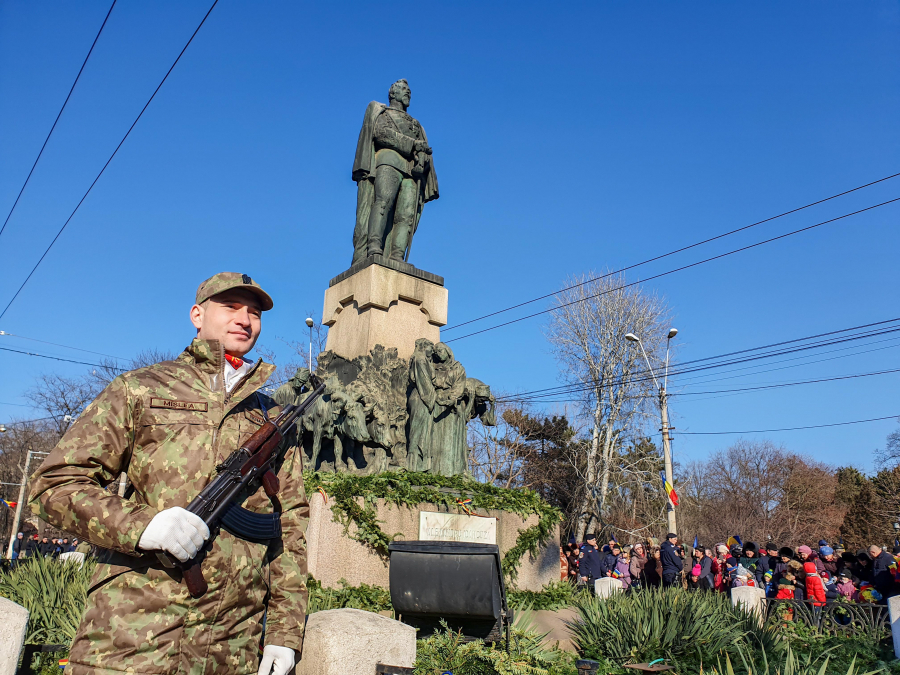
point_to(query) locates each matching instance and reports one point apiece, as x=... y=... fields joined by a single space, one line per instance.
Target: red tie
x=235 y=361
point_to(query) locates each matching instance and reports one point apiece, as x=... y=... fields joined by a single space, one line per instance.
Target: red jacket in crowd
x=815 y=587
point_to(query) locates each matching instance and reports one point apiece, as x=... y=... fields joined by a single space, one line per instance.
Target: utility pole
x=15 y=529
x=664 y=415
x=667 y=456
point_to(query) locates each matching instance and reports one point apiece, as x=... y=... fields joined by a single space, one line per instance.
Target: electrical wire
x=768 y=431
x=59 y=358
x=666 y=255
x=133 y=124
x=56 y=121
x=644 y=375
x=56 y=344
x=677 y=269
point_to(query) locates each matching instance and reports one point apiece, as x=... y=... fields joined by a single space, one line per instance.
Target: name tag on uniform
x=196 y=406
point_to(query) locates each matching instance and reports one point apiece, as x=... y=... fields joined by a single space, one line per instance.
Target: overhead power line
x=644 y=375
x=56 y=121
x=127 y=133
x=59 y=358
x=678 y=250
x=768 y=431
x=746 y=390
x=677 y=269
x=56 y=344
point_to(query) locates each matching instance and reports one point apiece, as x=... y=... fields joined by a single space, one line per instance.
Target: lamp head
x=309 y=321
x=631 y=337
x=2 y=428
x=672 y=333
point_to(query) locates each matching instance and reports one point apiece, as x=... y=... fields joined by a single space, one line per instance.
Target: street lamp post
x=310 y=323
x=664 y=416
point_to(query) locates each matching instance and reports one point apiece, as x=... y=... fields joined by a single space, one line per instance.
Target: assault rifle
x=248 y=467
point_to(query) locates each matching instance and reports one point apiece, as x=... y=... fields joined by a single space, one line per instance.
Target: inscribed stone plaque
x=457 y=527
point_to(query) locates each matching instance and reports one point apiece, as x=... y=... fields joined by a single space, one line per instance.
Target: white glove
x=276 y=660
x=175 y=531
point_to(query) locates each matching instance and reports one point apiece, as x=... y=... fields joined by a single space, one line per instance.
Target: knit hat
x=822 y=542
x=784 y=582
x=844 y=574
x=742 y=571
x=839 y=548
x=826 y=550
x=785 y=552
x=772 y=547
x=804 y=549
x=695 y=570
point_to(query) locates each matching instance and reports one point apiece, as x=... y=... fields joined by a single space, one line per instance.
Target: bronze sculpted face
x=400 y=92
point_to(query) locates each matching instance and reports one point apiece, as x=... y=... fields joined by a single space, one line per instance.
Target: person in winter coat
x=743 y=577
x=768 y=556
x=785 y=587
x=830 y=562
x=883 y=571
x=845 y=586
x=799 y=573
x=622 y=570
x=609 y=557
x=589 y=566
x=672 y=564
x=749 y=558
x=653 y=569
x=18 y=545
x=815 y=587
x=637 y=564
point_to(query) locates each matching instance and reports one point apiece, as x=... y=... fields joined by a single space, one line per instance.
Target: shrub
x=757 y=663
x=54 y=593
x=671 y=623
x=555 y=595
x=364 y=596
x=447 y=651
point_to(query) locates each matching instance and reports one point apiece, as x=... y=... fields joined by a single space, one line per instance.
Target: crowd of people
x=815 y=574
x=28 y=547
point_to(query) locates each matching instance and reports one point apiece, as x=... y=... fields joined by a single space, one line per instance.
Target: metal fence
x=834 y=618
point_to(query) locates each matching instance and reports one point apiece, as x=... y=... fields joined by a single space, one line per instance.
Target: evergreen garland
x=404 y=488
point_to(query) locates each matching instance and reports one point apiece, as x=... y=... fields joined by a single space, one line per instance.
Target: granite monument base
x=383 y=302
x=333 y=555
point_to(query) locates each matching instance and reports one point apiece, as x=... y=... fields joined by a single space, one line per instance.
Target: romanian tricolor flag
x=670 y=491
x=464 y=504
x=734 y=540
x=615 y=574
x=63 y=663
x=10 y=505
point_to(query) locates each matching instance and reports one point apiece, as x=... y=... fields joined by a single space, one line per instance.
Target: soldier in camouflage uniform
x=167 y=426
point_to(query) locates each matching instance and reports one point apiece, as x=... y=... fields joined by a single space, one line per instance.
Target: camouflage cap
x=225 y=281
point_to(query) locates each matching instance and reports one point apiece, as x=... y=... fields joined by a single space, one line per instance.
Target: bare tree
x=300 y=358
x=608 y=376
x=496 y=453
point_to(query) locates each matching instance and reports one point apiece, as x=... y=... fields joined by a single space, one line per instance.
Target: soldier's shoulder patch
x=195 y=406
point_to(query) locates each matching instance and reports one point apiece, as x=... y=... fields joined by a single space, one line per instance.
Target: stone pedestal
x=383 y=302
x=353 y=642
x=606 y=586
x=333 y=555
x=752 y=600
x=894 y=614
x=13 y=622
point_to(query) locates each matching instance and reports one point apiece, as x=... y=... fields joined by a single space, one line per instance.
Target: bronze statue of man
x=395 y=177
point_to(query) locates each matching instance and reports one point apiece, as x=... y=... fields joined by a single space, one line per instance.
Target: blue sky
x=567 y=139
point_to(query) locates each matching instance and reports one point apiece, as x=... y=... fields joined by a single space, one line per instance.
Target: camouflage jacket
x=168 y=426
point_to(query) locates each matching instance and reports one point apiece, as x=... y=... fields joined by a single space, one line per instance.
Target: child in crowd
x=743 y=577
x=785 y=587
x=845 y=586
x=623 y=567
x=815 y=588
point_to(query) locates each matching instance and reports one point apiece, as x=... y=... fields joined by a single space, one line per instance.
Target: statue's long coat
x=364 y=175
x=168 y=426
